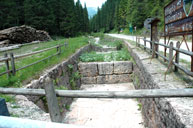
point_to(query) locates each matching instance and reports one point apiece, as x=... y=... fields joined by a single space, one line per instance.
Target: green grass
x=122 y=55
x=35 y=70
x=8 y=98
x=110 y=42
x=100 y=35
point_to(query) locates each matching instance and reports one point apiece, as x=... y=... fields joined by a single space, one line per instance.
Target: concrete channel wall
x=106 y=72
x=160 y=112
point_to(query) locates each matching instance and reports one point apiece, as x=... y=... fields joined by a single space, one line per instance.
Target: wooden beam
x=154 y=93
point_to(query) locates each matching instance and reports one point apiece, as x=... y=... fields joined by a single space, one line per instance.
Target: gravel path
x=106 y=113
x=25 y=109
x=133 y=38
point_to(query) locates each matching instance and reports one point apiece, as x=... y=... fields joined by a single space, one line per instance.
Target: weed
x=61 y=87
x=122 y=55
x=15 y=106
x=8 y=98
x=14 y=115
x=140 y=106
x=67 y=107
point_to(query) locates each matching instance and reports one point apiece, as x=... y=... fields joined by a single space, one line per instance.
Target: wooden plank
x=52 y=101
x=7 y=65
x=12 y=63
x=154 y=93
x=28 y=54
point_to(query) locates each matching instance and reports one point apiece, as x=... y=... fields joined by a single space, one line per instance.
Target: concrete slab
x=106 y=113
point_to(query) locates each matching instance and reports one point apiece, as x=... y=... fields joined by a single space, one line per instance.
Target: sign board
x=178 y=17
x=147 y=24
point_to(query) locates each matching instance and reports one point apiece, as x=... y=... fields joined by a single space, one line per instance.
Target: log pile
x=22 y=34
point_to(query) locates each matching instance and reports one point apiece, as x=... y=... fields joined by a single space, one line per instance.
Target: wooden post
x=12 y=63
x=136 y=40
x=139 y=42
x=144 y=43
x=60 y=49
x=7 y=65
x=165 y=49
x=52 y=101
x=66 y=44
x=192 y=51
x=177 y=56
x=170 y=56
x=153 y=50
x=57 y=48
x=154 y=33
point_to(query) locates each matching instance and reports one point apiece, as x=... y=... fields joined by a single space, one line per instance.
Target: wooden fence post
x=153 y=49
x=177 y=56
x=156 y=47
x=7 y=65
x=170 y=57
x=52 y=101
x=66 y=44
x=139 y=42
x=136 y=40
x=144 y=43
x=12 y=63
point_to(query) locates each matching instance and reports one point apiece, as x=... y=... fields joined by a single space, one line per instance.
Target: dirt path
x=106 y=113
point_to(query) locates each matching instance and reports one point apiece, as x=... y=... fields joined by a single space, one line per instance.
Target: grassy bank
x=35 y=70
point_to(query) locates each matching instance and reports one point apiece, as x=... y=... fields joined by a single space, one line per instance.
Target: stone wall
x=105 y=72
x=160 y=112
x=103 y=49
x=61 y=75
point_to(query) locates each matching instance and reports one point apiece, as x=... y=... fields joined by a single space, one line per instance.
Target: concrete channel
x=115 y=113
x=106 y=113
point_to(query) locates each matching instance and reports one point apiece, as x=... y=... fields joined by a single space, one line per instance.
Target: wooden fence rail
x=53 y=107
x=12 y=58
x=29 y=54
x=173 y=59
x=155 y=93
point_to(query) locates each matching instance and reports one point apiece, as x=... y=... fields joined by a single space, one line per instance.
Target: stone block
x=88 y=69
x=123 y=67
x=88 y=80
x=3 y=108
x=105 y=68
x=113 y=79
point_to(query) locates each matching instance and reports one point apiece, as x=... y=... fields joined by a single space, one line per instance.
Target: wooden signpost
x=178 y=18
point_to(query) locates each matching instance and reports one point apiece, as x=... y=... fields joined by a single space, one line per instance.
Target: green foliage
x=140 y=106
x=117 y=14
x=74 y=76
x=58 y=17
x=8 y=98
x=111 y=42
x=67 y=107
x=92 y=57
x=35 y=70
x=99 y=34
x=61 y=87
x=122 y=55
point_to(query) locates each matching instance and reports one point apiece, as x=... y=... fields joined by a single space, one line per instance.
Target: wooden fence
x=12 y=59
x=173 y=59
x=51 y=95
